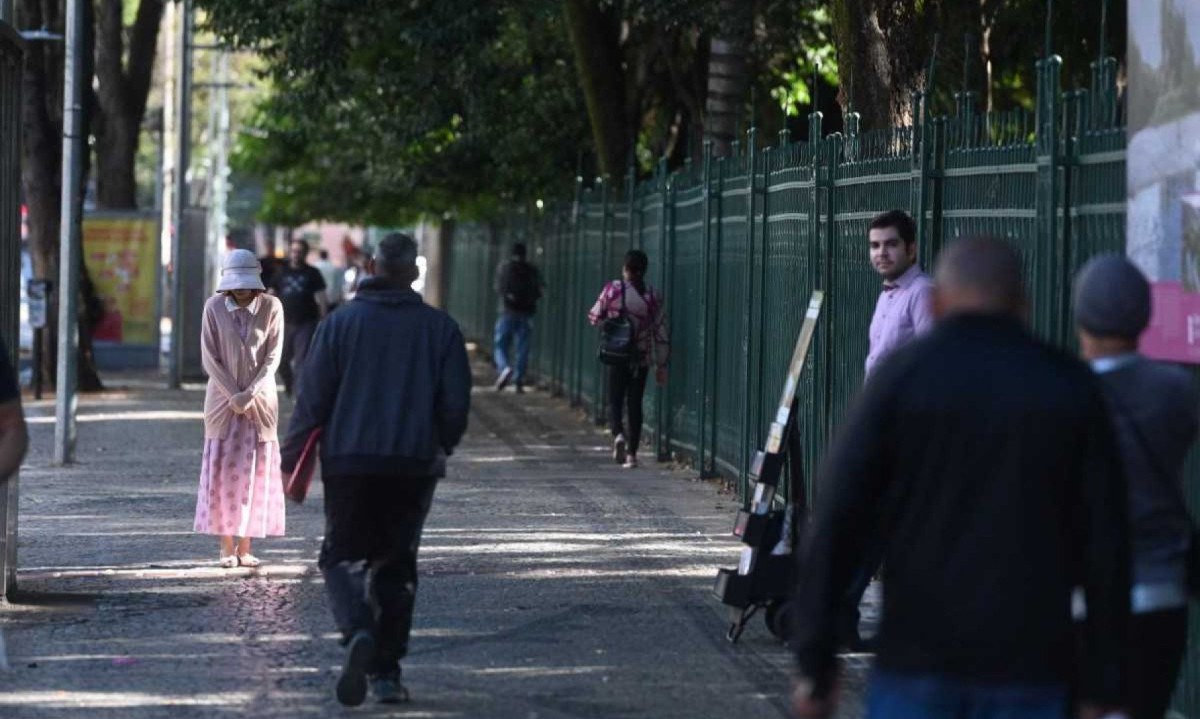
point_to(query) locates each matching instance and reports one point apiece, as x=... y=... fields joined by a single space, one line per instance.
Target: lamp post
x=69 y=246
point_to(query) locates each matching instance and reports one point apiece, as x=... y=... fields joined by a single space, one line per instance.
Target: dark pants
x=1156 y=645
x=296 y=339
x=896 y=696
x=369 y=558
x=848 y=614
x=626 y=383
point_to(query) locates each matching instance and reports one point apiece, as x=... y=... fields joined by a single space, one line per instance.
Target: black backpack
x=521 y=288
x=618 y=338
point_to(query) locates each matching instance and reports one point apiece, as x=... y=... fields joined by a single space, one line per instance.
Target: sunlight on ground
x=144 y=416
x=115 y=700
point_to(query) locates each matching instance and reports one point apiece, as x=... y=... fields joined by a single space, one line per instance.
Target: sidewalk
x=554 y=584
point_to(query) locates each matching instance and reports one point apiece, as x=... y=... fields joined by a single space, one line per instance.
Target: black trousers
x=369 y=558
x=296 y=340
x=1156 y=646
x=626 y=383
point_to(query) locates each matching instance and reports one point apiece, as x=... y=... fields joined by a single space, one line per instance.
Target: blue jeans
x=928 y=696
x=513 y=326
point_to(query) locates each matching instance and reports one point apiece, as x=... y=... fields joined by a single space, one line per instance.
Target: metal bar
x=705 y=308
x=742 y=461
x=662 y=395
x=183 y=136
x=69 y=245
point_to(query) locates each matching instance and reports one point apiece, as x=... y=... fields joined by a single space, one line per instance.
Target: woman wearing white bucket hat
x=241 y=489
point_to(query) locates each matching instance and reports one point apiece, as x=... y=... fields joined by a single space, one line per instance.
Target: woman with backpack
x=634 y=338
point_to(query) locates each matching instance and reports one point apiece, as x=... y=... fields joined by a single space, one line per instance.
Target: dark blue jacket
x=388 y=379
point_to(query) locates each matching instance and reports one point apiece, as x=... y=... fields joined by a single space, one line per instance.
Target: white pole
x=183 y=136
x=69 y=245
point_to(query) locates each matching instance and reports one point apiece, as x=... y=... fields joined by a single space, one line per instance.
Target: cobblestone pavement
x=554 y=584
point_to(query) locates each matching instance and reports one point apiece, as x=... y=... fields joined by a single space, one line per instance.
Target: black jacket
x=1154 y=410
x=519 y=285
x=388 y=378
x=984 y=462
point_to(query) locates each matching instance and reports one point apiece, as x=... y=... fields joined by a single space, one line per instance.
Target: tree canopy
x=380 y=110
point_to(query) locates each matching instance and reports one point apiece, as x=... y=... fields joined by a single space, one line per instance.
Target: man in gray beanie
x=1154 y=412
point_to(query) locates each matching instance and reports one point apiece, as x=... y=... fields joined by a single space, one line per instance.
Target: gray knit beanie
x=1112 y=298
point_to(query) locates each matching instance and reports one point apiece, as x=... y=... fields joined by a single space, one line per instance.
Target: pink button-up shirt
x=904 y=310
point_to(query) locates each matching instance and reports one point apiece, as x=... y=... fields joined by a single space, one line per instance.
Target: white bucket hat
x=241 y=271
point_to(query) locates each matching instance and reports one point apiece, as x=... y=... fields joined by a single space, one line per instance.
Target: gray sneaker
x=352 y=684
x=388 y=689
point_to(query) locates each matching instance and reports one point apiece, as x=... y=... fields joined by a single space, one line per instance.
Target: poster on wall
x=121 y=252
x=1163 y=171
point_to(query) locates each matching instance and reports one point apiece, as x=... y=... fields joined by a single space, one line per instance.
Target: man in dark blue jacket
x=388 y=380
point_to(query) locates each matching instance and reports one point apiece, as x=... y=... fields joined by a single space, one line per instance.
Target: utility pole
x=183 y=136
x=69 y=245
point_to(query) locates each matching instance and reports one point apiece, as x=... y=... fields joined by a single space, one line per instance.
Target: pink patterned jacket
x=649 y=316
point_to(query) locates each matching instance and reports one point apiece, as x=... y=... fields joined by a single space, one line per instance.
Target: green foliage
x=380 y=110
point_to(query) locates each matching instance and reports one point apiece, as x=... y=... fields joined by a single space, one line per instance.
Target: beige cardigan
x=241 y=375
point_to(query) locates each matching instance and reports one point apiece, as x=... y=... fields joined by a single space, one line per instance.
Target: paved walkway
x=554 y=584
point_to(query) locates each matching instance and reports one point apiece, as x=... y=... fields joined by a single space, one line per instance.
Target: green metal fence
x=738 y=243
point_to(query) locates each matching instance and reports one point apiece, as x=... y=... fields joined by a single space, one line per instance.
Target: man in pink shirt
x=904 y=311
x=905 y=306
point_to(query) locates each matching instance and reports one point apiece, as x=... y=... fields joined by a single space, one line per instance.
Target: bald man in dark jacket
x=984 y=462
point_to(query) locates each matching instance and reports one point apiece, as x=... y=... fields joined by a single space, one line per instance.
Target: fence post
x=706 y=307
x=920 y=164
x=665 y=419
x=748 y=318
x=600 y=380
x=765 y=244
x=662 y=451
x=576 y=383
x=936 y=173
x=1048 y=306
x=635 y=235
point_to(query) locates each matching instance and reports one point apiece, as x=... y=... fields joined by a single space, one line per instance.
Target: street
x=554 y=583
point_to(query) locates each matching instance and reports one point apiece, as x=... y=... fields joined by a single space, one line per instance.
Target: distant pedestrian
x=903 y=311
x=633 y=296
x=1155 y=412
x=388 y=380
x=519 y=285
x=301 y=288
x=14 y=436
x=334 y=278
x=905 y=306
x=241 y=490
x=984 y=462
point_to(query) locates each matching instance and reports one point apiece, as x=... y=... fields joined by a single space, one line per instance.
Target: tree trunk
x=41 y=176
x=116 y=153
x=727 y=77
x=882 y=50
x=596 y=42
x=121 y=94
